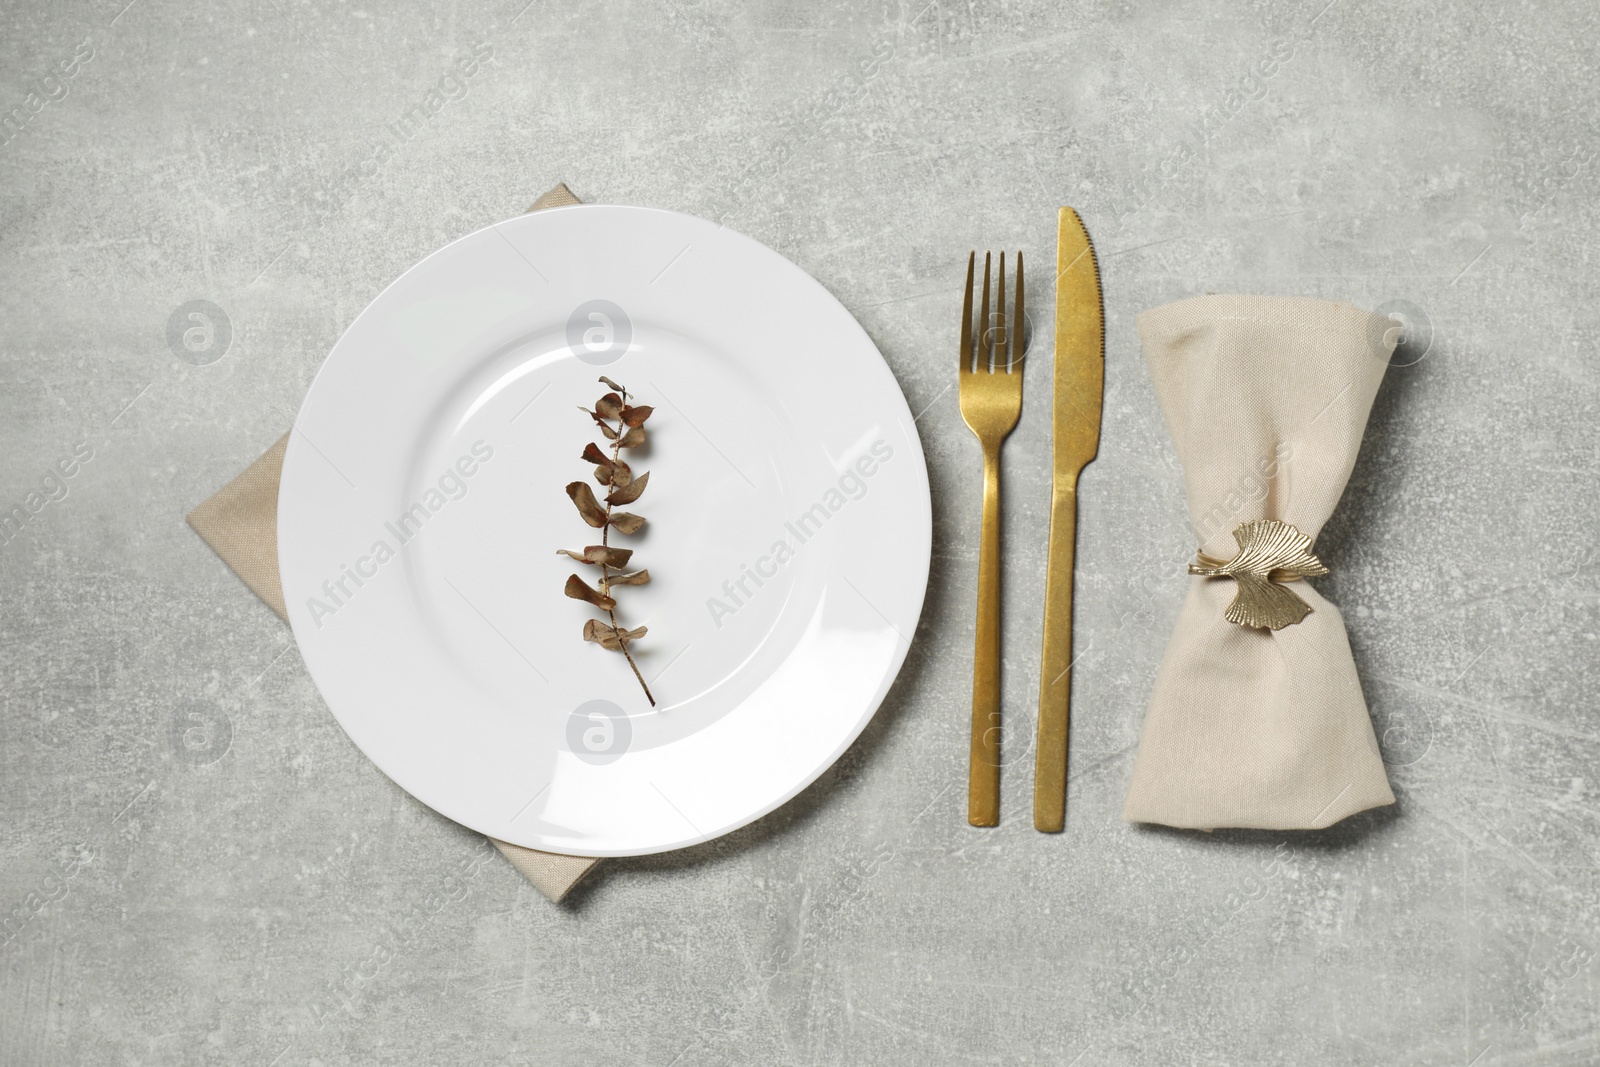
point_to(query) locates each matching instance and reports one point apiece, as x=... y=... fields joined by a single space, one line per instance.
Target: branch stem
x=605 y=569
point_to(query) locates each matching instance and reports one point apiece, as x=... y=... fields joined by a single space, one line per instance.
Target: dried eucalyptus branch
x=622 y=488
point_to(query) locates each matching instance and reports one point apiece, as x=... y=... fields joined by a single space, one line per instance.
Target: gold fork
x=991 y=400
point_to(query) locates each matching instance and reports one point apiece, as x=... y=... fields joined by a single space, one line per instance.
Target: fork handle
x=983 y=793
x=1055 y=667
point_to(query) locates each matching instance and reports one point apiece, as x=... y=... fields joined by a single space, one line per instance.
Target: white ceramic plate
x=423 y=499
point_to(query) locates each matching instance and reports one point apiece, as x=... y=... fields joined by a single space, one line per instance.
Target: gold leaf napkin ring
x=1269 y=552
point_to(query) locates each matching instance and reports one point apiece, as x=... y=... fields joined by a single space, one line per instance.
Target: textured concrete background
x=198 y=867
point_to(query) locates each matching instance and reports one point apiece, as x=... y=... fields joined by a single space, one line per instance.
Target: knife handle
x=1055 y=666
x=983 y=776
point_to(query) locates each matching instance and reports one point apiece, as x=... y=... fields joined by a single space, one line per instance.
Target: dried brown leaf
x=635 y=416
x=626 y=522
x=610 y=556
x=595 y=630
x=605 y=427
x=610 y=637
x=620 y=473
x=612 y=384
x=593 y=454
x=588 y=506
x=609 y=406
x=629 y=492
x=599 y=554
x=636 y=578
x=578 y=589
x=633 y=438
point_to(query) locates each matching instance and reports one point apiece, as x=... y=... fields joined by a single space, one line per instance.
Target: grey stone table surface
x=198 y=867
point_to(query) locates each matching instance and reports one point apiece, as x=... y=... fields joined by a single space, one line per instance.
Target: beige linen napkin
x=241 y=524
x=1267 y=399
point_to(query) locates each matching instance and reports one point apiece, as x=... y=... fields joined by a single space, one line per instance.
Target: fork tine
x=1018 y=339
x=1000 y=334
x=984 y=337
x=966 y=319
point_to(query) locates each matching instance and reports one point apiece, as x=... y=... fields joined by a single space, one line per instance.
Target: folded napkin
x=240 y=523
x=1266 y=399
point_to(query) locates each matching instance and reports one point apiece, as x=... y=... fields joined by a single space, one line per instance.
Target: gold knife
x=1079 y=391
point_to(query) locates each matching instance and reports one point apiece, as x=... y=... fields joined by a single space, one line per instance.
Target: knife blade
x=1080 y=368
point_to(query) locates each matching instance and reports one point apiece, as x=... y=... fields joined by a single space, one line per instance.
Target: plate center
x=725 y=536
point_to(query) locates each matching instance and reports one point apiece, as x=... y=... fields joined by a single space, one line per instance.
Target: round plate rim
x=293 y=456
